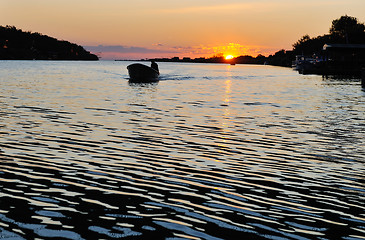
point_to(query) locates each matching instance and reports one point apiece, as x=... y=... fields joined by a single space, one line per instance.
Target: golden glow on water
x=257 y=145
x=228 y=84
x=226 y=106
x=227 y=98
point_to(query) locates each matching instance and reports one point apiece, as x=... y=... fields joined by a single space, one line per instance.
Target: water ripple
x=249 y=152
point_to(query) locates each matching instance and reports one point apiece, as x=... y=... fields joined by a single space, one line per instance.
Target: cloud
x=123 y=49
x=123 y=52
x=109 y=52
x=235 y=49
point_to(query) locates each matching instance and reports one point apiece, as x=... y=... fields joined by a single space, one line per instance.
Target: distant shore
x=16 y=44
x=281 y=58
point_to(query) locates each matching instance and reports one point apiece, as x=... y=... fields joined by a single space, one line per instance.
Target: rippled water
x=209 y=152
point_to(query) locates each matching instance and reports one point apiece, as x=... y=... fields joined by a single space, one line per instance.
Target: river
x=211 y=151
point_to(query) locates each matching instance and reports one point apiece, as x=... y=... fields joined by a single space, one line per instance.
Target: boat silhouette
x=141 y=73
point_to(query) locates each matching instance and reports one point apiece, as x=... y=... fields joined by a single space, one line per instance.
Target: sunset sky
x=126 y=29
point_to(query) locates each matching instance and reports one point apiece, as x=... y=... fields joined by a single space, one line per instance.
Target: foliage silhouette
x=16 y=44
x=346 y=29
x=349 y=29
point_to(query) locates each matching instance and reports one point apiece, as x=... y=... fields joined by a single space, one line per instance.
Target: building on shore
x=346 y=59
x=335 y=59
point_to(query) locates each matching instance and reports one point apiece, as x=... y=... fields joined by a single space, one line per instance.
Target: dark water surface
x=209 y=152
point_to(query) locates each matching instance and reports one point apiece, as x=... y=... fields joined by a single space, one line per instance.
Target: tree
x=348 y=29
x=17 y=44
x=302 y=46
x=302 y=41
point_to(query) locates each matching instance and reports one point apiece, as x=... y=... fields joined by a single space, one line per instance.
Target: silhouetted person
x=154 y=65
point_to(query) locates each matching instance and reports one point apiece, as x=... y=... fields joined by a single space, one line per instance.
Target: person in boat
x=154 y=65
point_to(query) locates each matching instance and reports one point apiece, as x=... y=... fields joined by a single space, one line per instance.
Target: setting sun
x=229 y=57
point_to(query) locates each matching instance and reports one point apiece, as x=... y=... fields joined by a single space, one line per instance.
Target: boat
x=142 y=73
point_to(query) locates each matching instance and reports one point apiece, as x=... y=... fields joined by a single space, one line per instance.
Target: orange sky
x=121 y=29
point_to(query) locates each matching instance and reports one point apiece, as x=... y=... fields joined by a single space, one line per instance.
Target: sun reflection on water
x=210 y=150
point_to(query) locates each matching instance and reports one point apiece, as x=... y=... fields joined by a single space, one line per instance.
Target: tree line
x=16 y=44
x=345 y=30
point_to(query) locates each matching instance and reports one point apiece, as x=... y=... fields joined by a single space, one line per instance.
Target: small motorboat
x=142 y=73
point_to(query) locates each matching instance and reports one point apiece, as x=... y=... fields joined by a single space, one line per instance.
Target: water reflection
x=243 y=152
x=142 y=84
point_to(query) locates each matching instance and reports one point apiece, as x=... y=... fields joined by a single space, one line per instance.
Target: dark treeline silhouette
x=280 y=58
x=16 y=44
x=340 y=52
x=219 y=58
x=345 y=30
